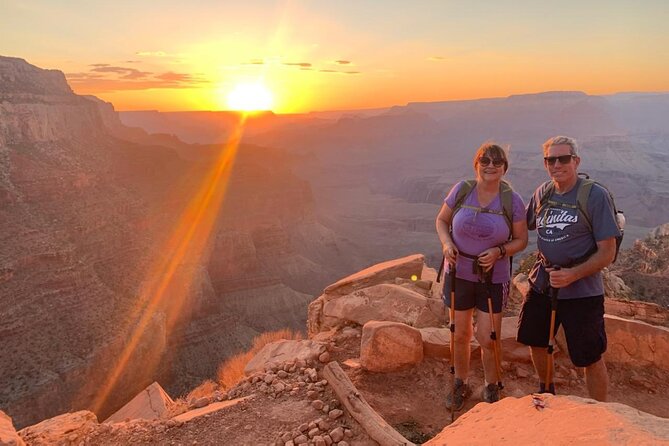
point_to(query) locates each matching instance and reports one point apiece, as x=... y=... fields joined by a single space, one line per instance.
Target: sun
x=250 y=97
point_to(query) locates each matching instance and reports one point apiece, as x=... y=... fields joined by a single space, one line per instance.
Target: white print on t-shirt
x=553 y=222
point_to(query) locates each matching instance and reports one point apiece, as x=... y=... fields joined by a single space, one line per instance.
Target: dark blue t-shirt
x=563 y=237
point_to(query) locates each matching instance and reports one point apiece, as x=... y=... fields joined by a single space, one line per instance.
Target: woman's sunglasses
x=564 y=159
x=485 y=162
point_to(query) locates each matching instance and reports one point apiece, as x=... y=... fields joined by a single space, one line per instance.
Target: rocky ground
x=286 y=402
x=294 y=403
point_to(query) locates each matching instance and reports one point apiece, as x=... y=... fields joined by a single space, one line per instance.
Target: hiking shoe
x=456 y=397
x=490 y=393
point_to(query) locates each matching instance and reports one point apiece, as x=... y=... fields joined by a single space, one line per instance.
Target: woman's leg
x=463 y=337
x=483 y=337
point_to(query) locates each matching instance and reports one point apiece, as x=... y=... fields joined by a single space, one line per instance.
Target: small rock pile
x=301 y=379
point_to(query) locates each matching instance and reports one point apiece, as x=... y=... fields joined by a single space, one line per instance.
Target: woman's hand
x=450 y=252
x=488 y=258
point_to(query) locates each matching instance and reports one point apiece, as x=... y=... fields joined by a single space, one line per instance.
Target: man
x=580 y=245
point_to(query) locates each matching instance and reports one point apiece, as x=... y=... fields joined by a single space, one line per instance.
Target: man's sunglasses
x=564 y=159
x=485 y=162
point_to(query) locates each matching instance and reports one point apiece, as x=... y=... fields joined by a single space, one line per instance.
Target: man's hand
x=561 y=278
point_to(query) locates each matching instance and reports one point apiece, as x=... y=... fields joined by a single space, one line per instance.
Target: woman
x=479 y=242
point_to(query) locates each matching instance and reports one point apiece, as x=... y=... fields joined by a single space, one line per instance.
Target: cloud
x=105 y=78
x=151 y=53
x=180 y=77
x=436 y=58
x=126 y=73
x=339 y=72
x=99 y=65
x=298 y=64
x=254 y=62
x=342 y=62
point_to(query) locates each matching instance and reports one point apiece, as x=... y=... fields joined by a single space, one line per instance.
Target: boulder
x=69 y=428
x=389 y=346
x=150 y=404
x=512 y=350
x=637 y=343
x=634 y=309
x=8 y=435
x=384 y=302
x=564 y=420
x=383 y=272
x=283 y=351
x=436 y=342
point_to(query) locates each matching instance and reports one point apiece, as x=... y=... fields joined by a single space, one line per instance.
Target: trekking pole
x=551 y=336
x=452 y=329
x=493 y=332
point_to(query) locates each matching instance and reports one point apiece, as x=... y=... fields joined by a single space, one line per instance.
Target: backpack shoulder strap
x=582 y=199
x=542 y=195
x=465 y=189
x=506 y=197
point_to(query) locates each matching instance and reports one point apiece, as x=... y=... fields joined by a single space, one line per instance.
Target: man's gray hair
x=561 y=140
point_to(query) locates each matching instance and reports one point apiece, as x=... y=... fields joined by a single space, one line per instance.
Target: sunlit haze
x=249 y=97
x=316 y=55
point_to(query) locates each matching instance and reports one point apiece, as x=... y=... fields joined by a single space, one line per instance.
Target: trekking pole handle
x=554 y=291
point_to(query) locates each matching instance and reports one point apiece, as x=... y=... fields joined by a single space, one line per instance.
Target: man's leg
x=539 y=358
x=597 y=380
x=533 y=327
x=583 y=321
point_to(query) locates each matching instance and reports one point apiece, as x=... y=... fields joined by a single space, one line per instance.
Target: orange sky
x=317 y=55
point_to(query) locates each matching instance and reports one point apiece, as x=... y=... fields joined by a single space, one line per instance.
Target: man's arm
x=606 y=251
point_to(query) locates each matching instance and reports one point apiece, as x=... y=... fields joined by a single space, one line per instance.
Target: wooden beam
x=376 y=427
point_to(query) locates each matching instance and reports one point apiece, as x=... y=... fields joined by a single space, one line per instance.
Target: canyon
x=96 y=293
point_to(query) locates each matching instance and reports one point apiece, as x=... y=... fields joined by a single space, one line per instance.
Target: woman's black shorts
x=475 y=294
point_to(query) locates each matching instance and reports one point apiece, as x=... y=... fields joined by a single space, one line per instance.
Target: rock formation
x=645 y=267
x=559 y=420
x=88 y=209
x=296 y=392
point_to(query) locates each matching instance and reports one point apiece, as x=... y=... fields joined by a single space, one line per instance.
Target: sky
x=314 y=55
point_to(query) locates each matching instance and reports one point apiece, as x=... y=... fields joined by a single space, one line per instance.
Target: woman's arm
x=443 y=231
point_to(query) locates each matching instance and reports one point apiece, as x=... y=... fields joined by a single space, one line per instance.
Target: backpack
x=546 y=191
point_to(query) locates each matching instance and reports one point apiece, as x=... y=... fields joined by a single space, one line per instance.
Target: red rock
x=390 y=346
x=150 y=404
x=564 y=420
x=637 y=343
x=8 y=435
x=54 y=430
